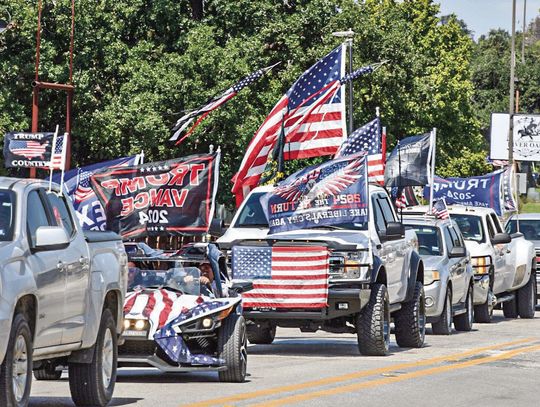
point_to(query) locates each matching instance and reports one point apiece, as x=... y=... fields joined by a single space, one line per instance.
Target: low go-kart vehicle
x=176 y=324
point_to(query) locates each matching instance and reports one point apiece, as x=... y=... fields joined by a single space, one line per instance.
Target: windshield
x=429 y=240
x=470 y=226
x=529 y=228
x=252 y=213
x=184 y=279
x=7 y=215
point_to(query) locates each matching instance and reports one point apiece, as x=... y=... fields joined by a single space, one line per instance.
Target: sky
x=483 y=15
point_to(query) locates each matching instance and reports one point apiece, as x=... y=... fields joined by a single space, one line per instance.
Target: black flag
x=409 y=163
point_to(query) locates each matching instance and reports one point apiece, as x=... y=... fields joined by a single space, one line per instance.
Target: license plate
x=131 y=332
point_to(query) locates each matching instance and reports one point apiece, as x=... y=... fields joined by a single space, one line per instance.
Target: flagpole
x=52 y=152
x=348 y=35
x=399 y=180
x=432 y=169
x=63 y=160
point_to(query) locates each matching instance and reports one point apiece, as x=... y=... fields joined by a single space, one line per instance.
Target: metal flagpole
x=433 y=140
x=523 y=33
x=349 y=40
x=399 y=181
x=511 y=106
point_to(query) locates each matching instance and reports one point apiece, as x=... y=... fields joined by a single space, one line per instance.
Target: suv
x=61 y=296
x=504 y=266
x=375 y=273
x=529 y=226
x=448 y=275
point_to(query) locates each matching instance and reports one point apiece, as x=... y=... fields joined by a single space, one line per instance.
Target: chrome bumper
x=154 y=361
x=481 y=288
x=434 y=300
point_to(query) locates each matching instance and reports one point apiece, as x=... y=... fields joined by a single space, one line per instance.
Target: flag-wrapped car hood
x=160 y=306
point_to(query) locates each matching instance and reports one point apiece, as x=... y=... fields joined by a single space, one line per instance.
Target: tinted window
x=491 y=229
x=386 y=209
x=252 y=213
x=470 y=226
x=61 y=213
x=429 y=240
x=7 y=215
x=448 y=239
x=496 y=223
x=529 y=228
x=456 y=240
x=36 y=216
x=378 y=215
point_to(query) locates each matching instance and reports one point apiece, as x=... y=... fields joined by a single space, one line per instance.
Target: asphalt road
x=496 y=364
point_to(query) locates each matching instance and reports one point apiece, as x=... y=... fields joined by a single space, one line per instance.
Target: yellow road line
x=350 y=376
x=394 y=379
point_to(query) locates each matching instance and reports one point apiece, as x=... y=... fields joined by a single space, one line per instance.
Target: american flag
x=312 y=115
x=367 y=138
x=404 y=196
x=28 y=148
x=84 y=191
x=58 y=153
x=440 y=210
x=212 y=104
x=283 y=277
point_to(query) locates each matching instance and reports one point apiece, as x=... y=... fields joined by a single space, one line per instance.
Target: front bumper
x=154 y=361
x=481 y=288
x=354 y=299
x=434 y=295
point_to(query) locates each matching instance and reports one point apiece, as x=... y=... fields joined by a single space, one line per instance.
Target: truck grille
x=137 y=347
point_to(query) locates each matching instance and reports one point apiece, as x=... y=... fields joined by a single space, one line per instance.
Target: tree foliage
x=139 y=64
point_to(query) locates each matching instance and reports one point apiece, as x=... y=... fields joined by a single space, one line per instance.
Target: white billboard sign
x=526 y=137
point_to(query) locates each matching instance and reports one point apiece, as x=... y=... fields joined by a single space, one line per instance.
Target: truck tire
x=373 y=323
x=47 y=372
x=232 y=348
x=483 y=312
x=464 y=322
x=444 y=325
x=510 y=308
x=258 y=335
x=526 y=298
x=92 y=384
x=15 y=383
x=410 y=320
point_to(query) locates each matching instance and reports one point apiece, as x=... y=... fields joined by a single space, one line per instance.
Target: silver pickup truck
x=61 y=296
x=375 y=276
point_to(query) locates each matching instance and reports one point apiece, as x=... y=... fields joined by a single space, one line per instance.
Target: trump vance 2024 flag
x=283 y=277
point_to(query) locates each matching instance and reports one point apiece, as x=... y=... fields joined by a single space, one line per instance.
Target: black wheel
x=260 y=335
x=47 y=372
x=92 y=384
x=444 y=325
x=526 y=298
x=483 y=312
x=464 y=322
x=232 y=347
x=510 y=308
x=410 y=320
x=373 y=323
x=15 y=376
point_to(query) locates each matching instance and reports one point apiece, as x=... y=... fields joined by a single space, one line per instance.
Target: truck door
x=76 y=269
x=392 y=252
x=460 y=266
x=509 y=253
x=50 y=279
x=499 y=261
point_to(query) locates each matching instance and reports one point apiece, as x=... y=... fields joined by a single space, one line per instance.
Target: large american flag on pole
x=315 y=116
x=283 y=277
x=368 y=139
x=212 y=104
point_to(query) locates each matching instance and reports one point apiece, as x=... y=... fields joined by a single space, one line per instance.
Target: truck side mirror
x=217 y=227
x=240 y=287
x=457 y=252
x=51 y=238
x=394 y=231
x=501 y=238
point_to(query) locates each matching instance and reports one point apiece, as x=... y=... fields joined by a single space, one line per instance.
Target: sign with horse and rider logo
x=526 y=137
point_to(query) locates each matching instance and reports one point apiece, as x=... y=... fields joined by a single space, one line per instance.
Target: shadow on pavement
x=66 y=401
x=129 y=375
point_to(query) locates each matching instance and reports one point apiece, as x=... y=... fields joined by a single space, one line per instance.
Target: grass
x=530 y=207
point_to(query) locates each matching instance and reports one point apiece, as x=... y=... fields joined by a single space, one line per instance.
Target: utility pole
x=512 y=90
x=523 y=31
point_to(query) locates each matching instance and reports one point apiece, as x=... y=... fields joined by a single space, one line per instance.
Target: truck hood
x=433 y=262
x=337 y=239
x=236 y=234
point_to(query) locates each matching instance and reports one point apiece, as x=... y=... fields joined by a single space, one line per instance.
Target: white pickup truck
x=375 y=274
x=504 y=265
x=61 y=296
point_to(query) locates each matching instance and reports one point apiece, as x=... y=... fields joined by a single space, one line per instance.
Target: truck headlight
x=349 y=265
x=430 y=276
x=481 y=264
